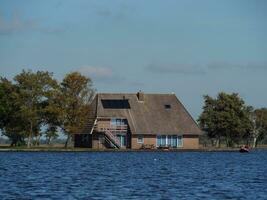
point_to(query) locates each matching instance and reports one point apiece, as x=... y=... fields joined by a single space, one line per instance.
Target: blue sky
x=187 y=47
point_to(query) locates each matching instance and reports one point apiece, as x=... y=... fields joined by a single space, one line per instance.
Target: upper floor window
x=113 y=121
x=118 y=121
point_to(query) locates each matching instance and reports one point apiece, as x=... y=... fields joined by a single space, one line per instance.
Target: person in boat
x=244 y=148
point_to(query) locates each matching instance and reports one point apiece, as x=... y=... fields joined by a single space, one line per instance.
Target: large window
x=169 y=141
x=122 y=139
x=118 y=122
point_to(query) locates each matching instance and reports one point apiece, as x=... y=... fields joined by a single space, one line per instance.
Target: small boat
x=244 y=149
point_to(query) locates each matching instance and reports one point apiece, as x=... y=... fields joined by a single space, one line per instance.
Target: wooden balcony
x=112 y=128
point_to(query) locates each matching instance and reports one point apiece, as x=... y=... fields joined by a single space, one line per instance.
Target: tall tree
x=76 y=94
x=259 y=120
x=6 y=101
x=51 y=113
x=33 y=91
x=225 y=117
x=207 y=119
x=12 y=124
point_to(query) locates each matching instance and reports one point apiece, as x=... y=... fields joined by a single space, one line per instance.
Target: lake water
x=133 y=175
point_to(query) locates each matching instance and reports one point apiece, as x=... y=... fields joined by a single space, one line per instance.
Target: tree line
x=35 y=104
x=228 y=119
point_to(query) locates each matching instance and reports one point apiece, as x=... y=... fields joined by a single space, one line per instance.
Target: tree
x=259 y=120
x=6 y=100
x=51 y=115
x=76 y=92
x=225 y=117
x=207 y=119
x=34 y=89
x=36 y=100
x=12 y=123
x=51 y=133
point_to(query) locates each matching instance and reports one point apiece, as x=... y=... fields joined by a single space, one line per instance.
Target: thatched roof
x=156 y=114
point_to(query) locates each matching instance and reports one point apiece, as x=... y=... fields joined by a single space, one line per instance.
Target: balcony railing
x=111 y=128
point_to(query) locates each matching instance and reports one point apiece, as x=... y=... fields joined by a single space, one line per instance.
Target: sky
x=191 y=48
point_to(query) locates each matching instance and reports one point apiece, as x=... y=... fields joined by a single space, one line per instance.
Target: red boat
x=244 y=149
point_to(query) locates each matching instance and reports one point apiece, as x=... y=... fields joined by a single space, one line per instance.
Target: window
x=174 y=141
x=179 y=141
x=163 y=140
x=122 y=139
x=169 y=141
x=140 y=139
x=167 y=106
x=113 y=121
x=118 y=122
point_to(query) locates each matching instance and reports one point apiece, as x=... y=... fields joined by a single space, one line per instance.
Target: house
x=135 y=121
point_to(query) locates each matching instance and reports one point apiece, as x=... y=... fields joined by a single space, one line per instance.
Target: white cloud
x=96 y=72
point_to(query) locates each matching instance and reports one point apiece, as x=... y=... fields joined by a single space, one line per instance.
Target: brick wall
x=190 y=142
x=148 y=139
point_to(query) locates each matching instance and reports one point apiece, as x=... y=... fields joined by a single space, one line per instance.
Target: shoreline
x=60 y=149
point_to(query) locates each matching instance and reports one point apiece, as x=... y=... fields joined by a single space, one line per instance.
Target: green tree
x=52 y=115
x=259 y=121
x=51 y=133
x=225 y=117
x=6 y=100
x=35 y=100
x=34 y=89
x=76 y=92
x=12 y=124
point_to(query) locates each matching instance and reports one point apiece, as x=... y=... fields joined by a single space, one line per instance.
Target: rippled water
x=133 y=175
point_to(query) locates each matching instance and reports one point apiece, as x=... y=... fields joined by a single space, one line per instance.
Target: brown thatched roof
x=157 y=114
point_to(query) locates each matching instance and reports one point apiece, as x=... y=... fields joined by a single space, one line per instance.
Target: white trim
x=93 y=126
